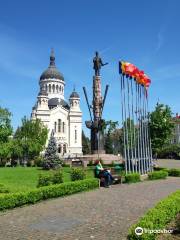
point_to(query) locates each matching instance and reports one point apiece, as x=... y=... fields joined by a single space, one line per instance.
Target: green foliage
x=85 y=144
x=132 y=133
x=157 y=175
x=51 y=158
x=157 y=217
x=44 y=180
x=53 y=177
x=57 y=177
x=110 y=127
x=5 y=132
x=77 y=174
x=30 y=138
x=132 y=178
x=161 y=127
x=5 y=125
x=3 y=189
x=38 y=161
x=91 y=163
x=175 y=172
x=13 y=200
x=169 y=151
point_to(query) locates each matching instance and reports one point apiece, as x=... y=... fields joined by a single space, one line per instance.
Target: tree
x=51 y=158
x=130 y=131
x=85 y=144
x=31 y=138
x=161 y=127
x=5 y=133
x=110 y=126
x=5 y=125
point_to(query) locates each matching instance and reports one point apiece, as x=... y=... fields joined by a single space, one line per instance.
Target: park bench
x=117 y=177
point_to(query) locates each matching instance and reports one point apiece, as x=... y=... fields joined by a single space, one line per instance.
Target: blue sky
x=143 y=32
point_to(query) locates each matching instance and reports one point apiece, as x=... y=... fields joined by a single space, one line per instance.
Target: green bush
x=174 y=172
x=157 y=175
x=132 y=178
x=3 y=189
x=158 y=217
x=77 y=174
x=160 y=169
x=65 y=164
x=57 y=177
x=13 y=200
x=44 y=180
x=38 y=161
x=53 y=177
x=90 y=163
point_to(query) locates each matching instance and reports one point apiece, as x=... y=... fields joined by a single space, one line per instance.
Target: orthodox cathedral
x=62 y=118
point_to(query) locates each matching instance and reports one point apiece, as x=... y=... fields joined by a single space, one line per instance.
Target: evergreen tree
x=51 y=158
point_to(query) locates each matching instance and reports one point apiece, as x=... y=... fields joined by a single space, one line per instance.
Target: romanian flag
x=132 y=71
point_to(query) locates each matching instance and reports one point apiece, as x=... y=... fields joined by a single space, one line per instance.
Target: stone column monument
x=96 y=123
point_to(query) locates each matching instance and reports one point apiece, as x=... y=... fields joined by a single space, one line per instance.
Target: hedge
x=158 y=217
x=158 y=175
x=175 y=172
x=13 y=200
x=132 y=178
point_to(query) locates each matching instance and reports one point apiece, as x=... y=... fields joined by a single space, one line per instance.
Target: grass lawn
x=25 y=178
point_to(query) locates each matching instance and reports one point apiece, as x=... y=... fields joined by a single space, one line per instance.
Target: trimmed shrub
x=157 y=175
x=53 y=177
x=13 y=200
x=3 y=189
x=77 y=174
x=44 y=180
x=160 y=169
x=175 y=172
x=158 y=217
x=57 y=177
x=132 y=178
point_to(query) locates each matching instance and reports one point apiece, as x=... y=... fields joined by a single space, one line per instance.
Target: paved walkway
x=102 y=214
x=168 y=163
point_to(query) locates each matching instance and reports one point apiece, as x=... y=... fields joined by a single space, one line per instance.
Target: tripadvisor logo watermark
x=139 y=231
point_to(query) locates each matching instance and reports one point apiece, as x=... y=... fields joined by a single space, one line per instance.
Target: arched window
x=75 y=135
x=46 y=87
x=64 y=149
x=53 y=88
x=55 y=126
x=57 y=88
x=63 y=127
x=59 y=148
x=59 y=125
x=50 y=88
x=60 y=88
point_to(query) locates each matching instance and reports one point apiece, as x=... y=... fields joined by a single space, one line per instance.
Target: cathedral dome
x=52 y=71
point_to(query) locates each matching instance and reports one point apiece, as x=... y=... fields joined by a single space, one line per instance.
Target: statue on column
x=97 y=61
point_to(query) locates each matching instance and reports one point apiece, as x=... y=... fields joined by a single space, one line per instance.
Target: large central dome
x=52 y=72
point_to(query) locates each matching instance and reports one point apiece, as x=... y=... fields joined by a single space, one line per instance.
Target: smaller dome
x=74 y=94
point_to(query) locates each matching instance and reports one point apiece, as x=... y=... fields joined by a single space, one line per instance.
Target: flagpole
x=123 y=125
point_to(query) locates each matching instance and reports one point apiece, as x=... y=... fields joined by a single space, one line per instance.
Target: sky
x=143 y=32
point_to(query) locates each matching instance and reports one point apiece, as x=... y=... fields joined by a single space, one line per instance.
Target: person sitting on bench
x=101 y=172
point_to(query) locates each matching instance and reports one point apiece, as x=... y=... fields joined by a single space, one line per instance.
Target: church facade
x=62 y=118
